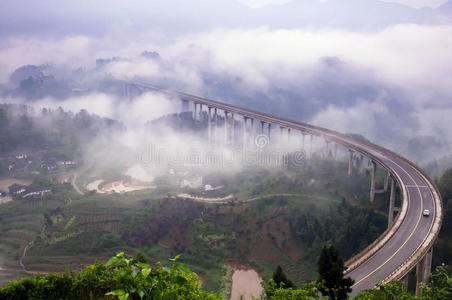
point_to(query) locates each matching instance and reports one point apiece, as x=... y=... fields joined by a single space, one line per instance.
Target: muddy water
x=245 y=283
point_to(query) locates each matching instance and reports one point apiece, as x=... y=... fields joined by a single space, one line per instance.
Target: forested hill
x=22 y=127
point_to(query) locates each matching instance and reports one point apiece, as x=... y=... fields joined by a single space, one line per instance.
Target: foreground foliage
x=331 y=275
x=128 y=278
x=120 y=278
x=439 y=288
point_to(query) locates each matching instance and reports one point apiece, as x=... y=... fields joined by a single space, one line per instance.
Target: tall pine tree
x=281 y=280
x=331 y=275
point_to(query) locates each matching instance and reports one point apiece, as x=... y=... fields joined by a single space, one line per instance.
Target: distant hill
x=203 y=15
x=446 y=8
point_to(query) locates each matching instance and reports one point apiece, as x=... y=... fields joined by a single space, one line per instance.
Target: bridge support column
x=248 y=132
x=386 y=182
x=335 y=151
x=244 y=133
x=185 y=105
x=391 y=203
x=372 y=181
x=252 y=132
x=196 y=111
x=302 y=140
x=225 y=127
x=269 y=128
x=350 y=163
x=232 y=130
x=327 y=148
x=404 y=281
x=209 y=125
x=310 y=147
x=360 y=163
x=423 y=269
x=215 y=125
x=428 y=265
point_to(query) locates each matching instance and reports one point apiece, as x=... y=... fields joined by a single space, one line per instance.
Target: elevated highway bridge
x=406 y=244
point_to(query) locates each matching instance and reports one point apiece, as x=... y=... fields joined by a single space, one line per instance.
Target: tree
x=331 y=275
x=440 y=285
x=445 y=186
x=281 y=279
x=390 y=291
x=120 y=278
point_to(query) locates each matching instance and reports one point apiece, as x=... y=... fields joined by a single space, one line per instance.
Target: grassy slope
x=208 y=235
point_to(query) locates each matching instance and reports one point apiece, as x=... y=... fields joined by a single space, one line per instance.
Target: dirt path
x=203 y=199
x=291 y=195
x=74 y=178
x=23 y=256
x=229 y=197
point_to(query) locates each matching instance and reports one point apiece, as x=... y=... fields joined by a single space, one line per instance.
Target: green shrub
x=120 y=278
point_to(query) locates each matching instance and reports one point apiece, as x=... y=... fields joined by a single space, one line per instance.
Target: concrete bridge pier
x=350 y=162
x=248 y=131
x=198 y=111
x=281 y=133
x=209 y=125
x=303 y=135
x=310 y=146
x=269 y=128
x=335 y=151
x=232 y=129
x=391 y=203
x=386 y=182
x=360 y=163
x=373 y=189
x=195 y=116
x=185 y=105
x=252 y=131
x=244 y=131
x=385 y=185
x=327 y=148
x=404 y=281
x=129 y=91
x=225 y=133
x=423 y=269
x=372 y=181
x=215 y=125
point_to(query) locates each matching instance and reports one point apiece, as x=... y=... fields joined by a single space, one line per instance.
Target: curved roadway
x=405 y=243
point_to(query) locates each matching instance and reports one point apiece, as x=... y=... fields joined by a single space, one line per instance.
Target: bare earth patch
x=115 y=187
x=246 y=283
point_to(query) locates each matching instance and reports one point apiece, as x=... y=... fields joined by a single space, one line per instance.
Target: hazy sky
x=420 y=3
x=413 y=3
x=175 y=17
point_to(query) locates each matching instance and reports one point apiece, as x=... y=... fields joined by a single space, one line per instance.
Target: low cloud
x=393 y=84
x=261 y=3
